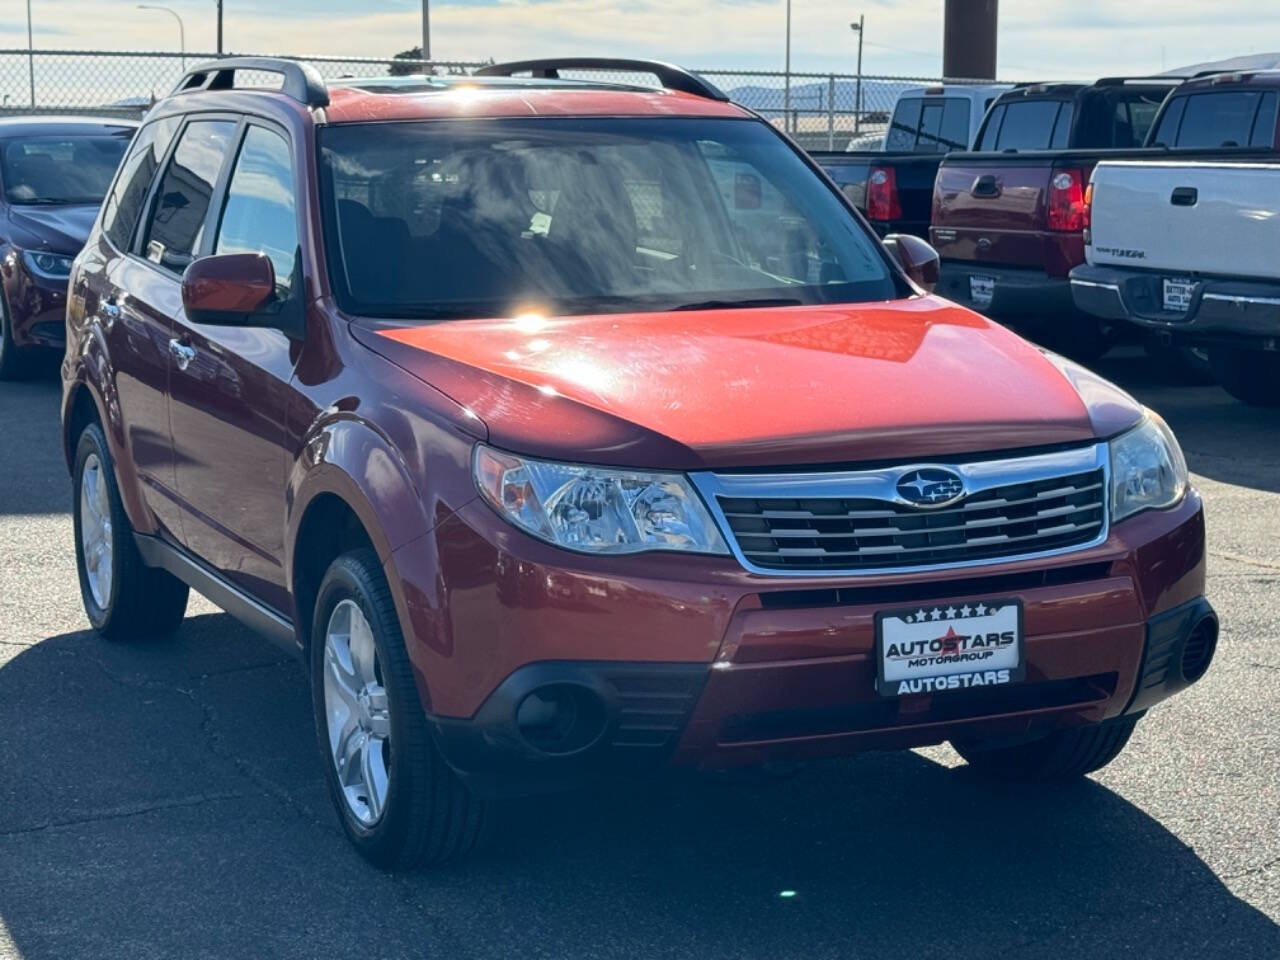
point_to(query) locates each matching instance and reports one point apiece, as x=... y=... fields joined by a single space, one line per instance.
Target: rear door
x=113 y=284
x=229 y=399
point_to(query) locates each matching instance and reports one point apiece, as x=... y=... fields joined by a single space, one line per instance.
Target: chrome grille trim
x=871 y=496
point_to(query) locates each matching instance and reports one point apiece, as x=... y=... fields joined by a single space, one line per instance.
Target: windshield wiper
x=730 y=304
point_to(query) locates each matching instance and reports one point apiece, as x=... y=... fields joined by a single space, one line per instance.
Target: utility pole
x=857 y=97
x=426 y=30
x=219 y=27
x=786 y=89
x=31 y=58
x=969 y=39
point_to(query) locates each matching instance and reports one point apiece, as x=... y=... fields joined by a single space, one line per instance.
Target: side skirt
x=276 y=628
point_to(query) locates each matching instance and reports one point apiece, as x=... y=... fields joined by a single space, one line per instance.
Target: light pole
x=786 y=89
x=182 y=32
x=31 y=58
x=857 y=97
x=219 y=27
x=426 y=30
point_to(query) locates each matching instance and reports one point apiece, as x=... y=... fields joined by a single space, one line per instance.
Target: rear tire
x=400 y=803
x=1185 y=365
x=15 y=363
x=1251 y=376
x=1063 y=755
x=123 y=597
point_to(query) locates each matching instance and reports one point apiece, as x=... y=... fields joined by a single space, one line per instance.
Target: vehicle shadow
x=31 y=428
x=165 y=799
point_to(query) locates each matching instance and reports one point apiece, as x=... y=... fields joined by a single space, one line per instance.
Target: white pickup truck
x=1192 y=250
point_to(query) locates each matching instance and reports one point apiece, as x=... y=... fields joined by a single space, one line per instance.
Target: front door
x=229 y=387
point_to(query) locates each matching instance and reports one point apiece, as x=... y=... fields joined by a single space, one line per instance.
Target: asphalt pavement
x=165 y=800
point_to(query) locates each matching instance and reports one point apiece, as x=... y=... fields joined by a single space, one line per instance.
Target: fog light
x=561 y=718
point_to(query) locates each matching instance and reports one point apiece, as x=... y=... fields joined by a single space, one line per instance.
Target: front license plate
x=982 y=290
x=1177 y=294
x=964 y=646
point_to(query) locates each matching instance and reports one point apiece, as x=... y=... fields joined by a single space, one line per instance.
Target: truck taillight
x=1087 y=215
x=1066 y=201
x=882 y=195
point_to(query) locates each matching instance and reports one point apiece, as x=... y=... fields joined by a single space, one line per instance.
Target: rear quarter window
x=1230 y=118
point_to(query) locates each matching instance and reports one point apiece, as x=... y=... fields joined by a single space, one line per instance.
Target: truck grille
x=1029 y=513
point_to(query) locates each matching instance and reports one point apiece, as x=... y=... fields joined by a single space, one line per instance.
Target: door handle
x=1184 y=196
x=182 y=354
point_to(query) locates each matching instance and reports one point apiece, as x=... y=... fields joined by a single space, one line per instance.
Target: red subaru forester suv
x=571 y=428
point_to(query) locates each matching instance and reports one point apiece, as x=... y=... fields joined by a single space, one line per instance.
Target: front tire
x=400 y=804
x=1061 y=756
x=123 y=597
x=15 y=364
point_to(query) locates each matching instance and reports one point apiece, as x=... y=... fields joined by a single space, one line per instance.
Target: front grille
x=999 y=520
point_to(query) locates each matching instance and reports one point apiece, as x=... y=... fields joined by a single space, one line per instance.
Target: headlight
x=1147 y=468
x=50 y=266
x=595 y=509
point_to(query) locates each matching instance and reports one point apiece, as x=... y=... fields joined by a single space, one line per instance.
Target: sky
x=1039 y=39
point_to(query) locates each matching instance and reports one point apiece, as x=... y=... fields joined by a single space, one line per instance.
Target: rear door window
x=181 y=205
x=955 y=124
x=1227 y=119
x=1028 y=125
x=124 y=205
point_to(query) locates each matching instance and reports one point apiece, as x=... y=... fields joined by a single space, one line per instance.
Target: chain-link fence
x=821 y=110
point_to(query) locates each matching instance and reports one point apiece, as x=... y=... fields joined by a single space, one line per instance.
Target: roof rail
x=1117 y=81
x=669 y=75
x=302 y=81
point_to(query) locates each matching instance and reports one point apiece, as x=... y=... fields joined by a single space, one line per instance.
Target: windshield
x=467 y=218
x=70 y=168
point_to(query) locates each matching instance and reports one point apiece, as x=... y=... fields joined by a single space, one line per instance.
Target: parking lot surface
x=166 y=800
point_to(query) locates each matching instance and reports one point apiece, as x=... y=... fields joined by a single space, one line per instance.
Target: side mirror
x=229 y=289
x=918 y=259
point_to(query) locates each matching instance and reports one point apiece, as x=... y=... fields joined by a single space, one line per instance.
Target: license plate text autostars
x=953 y=648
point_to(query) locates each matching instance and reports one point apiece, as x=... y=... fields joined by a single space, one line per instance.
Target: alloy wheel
x=356 y=713
x=95 y=530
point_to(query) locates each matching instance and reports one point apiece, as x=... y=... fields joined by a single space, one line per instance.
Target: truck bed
x=913 y=173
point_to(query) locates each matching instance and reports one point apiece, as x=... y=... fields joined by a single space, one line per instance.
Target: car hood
x=903 y=380
x=60 y=229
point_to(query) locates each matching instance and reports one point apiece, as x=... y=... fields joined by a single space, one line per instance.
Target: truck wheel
x=1251 y=376
x=123 y=597
x=13 y=359
x=1062 y=755
x=400 y=804
x=1186 y=365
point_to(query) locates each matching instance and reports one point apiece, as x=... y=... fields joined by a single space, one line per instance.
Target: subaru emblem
x=930 y=487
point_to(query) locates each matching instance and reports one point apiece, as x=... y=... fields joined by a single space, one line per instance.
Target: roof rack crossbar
x=669 y=75
x=302 y=81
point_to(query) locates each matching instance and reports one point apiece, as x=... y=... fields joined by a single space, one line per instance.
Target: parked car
x=1185 y=250
x=893 y=184
x=54 y=172
x=1008 y=219
x=482 y=394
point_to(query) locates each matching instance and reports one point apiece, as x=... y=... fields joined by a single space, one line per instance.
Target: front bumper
x=37 y=307
x=1220 y=310
x=699 y=664
x=1019 y=294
